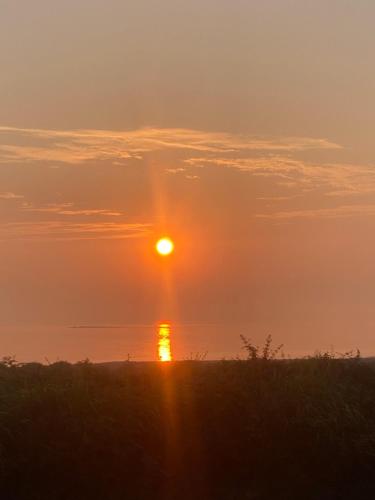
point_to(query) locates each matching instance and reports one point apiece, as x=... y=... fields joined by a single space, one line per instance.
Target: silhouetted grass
x=259 y=428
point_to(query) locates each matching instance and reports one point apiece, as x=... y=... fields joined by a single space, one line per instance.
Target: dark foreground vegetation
x=256 y=429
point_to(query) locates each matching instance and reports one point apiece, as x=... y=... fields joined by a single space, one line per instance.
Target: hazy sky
x=243 y=129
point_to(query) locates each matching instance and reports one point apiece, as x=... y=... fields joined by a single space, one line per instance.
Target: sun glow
x=165 y=246
x=164 y=342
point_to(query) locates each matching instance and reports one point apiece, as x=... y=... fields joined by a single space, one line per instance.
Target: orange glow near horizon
x=164 y=246
x=164 y=342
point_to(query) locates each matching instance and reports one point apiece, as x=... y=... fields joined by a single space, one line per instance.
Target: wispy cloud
x=276 y=160
x=79 y=146
x=54 y=222
x=333 y=179
x=182 y=170
x=10 y=196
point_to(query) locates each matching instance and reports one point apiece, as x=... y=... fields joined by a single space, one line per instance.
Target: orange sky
x=244 y=130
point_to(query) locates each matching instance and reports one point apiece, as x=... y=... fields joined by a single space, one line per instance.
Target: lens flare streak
x=164 y=342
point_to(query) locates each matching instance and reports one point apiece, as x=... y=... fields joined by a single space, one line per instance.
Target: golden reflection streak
x=164 y=342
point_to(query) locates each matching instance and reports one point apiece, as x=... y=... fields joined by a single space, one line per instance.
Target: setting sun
x=165 y=246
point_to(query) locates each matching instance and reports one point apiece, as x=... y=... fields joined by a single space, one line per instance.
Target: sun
x=164 y=246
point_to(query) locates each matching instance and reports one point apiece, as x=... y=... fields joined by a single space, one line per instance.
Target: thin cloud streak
x=61 y=230
x=360 y=210
x=68 y=209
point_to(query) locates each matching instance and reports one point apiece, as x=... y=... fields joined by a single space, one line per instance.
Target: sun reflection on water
x=164 y=342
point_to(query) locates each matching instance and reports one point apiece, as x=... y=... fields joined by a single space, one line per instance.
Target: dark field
x=257 y=429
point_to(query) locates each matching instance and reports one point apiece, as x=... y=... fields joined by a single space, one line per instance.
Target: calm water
x=149 y=342
x=159 y=341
